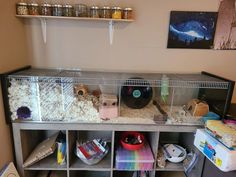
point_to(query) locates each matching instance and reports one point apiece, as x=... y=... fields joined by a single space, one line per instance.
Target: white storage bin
x=216 y=152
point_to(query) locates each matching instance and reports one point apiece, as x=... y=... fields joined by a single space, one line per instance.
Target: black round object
x=23 y=112
x=136 y=97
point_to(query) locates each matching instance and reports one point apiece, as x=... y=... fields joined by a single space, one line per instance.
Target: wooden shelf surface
x=171 y=167
x=49 y=163
x=74 y=18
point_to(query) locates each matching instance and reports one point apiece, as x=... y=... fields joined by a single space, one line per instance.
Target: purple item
x=230 y=121
x=23 y=112
x=141 y=159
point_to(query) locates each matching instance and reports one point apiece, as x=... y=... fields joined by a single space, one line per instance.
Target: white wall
x=13 y=54
x=139 y=46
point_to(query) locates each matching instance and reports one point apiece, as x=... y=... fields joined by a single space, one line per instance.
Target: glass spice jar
x=127 y=13
x=81 y=10
x=68 y=10
x=105 y=12
x=33 y=9
x=94 y=12
x=46 y=9
x=116 y=12
x=57 y=10
x=22 y=8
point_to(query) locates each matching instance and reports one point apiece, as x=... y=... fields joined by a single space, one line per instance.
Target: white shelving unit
x=28 y=135
x=44 y=19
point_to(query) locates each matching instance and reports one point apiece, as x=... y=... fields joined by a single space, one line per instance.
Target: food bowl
x=132 y=140
x=173 y=158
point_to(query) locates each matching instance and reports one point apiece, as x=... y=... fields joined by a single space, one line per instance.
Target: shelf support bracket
x=111 y=31
x=44 y=29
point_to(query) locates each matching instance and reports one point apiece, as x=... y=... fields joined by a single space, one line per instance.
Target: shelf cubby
x=44 y=173
x=103 y=165
x=85 y=173
x=184 y=139
x=48 y=163
x=123 y=173
x=30 y=139
x=151 y=138
x=170 y=174
x=83 y=136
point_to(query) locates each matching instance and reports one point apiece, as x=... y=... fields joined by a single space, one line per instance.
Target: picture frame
x=225 y=35
x=192 y=29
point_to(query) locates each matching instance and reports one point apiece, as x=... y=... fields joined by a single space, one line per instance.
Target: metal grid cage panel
x=120 y=79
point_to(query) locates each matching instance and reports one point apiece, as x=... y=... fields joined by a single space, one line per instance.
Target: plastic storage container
x=22 y=8
x=216 y=152
x=141 y=159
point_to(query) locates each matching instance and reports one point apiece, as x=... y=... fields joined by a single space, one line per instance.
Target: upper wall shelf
x=75 y=18
x=43 y=20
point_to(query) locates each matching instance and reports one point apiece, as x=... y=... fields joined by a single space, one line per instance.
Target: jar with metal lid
x=127 y=13
x=68 y=10
x=116 y=12
x=80 y=10
x=46 y=9
x=33 y=8
x=105 y=12
x=22 y=8
x=94 y=12
x=57 y=10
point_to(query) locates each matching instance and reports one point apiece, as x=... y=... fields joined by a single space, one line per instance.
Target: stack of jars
x=77 y=10
x=111 y=12
x=44 y=9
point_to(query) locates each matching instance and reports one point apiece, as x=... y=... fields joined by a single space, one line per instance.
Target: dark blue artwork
x=192 y=29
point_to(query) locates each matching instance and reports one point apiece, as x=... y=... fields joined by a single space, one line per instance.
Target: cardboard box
x=9 y=171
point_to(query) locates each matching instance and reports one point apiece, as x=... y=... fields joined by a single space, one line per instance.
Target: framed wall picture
x=225 y=37
x=194 y=30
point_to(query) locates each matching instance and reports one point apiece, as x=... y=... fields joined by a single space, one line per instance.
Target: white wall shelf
x=74 y=18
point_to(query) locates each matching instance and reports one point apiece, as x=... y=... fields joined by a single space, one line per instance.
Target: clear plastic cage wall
x=33 y=94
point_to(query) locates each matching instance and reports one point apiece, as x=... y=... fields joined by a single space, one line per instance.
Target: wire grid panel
x=127 y=79
x=199 y=84
x=23 y=98
x=176 y=83
x=67 y=92
x=59 y=103
x=51 y=99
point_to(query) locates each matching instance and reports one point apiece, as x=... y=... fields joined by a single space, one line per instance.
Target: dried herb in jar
x=33 y=9
x=22 y=8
